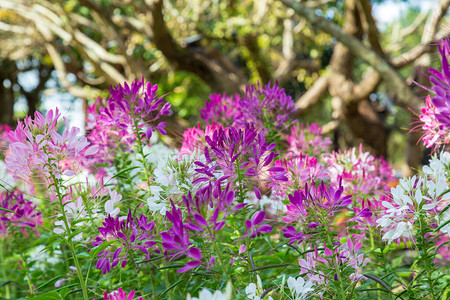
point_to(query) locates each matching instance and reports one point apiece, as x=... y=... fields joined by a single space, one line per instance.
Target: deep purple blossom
x=266 y=107
x=316 y=201
x=134 y=235
x=293 y=235
x=132 y=111
x=231 y=152
x=138 y=100
x=254 y=227
x=17 y=213
x=221 y=108
x=176 y=241
x=441 y=84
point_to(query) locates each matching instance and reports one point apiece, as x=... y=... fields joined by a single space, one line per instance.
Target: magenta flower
x=137 y=100
x=435 y=116
x=293 y=235
x=441 y=84
x=132 y=234
x=231 y=151
x=15 y=212
x=221 y=108
x=120 y=295
x=131 y=110
x=307 y=139
x=194 y=138
x=204 y=209
x=434 y=132
x=265 y=107
x=318 y=202
x=300 y=170
x=176 y=241
x=362 y=174
x=254 y=227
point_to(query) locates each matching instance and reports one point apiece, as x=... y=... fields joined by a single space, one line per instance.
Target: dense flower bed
x=254 y=205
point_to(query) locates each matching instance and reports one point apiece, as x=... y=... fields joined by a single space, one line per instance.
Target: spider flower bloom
x=436 y=114
x=222 y=109
x=107 y=135
x=307 y=139
x=134 y=235
x=266 y=107
x=17 y=213
x=300 y=170
x=138 y=100
x=318 y=203
x=176 y=241
x=441 y=84
x=434 y=131
x=234 y=152
x=120 y=295
x=361 y=173
x=37 y=147
x=194 y=138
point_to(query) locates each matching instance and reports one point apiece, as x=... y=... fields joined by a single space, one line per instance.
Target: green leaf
x=48 y=282
x=73 y=234
x=47 y=296
x=124 y=171
x=7 y=210
x=95 y=251
x=442 y=225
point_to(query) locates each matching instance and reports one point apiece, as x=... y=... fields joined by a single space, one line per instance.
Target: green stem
x=338 y=271
x=425 y=258
x=69 y=240
x=27 y=275
x=8 y=292
x=166 y=279
x=141 y=150
x=219 y=255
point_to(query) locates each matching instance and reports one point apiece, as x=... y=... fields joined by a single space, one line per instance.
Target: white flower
x=205 y=294
x=299 y=288
x=42 y=259
x=250 y=291
x=109 y=205
x=403 y=229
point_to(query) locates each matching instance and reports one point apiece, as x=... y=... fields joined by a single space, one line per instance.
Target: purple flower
x=133 y=111
x=316 y=200
x=254 y=228
x=221 y=108
x=293 y=235
x=441 y=84
x=17 y=213
x=134 y=235
x=266 y=107
x=176 y=241
x=233 y=153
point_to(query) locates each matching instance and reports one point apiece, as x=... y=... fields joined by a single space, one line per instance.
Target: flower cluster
x=265 y=107
x=36 y=147
x=17 y=213
x=134 y=235
x=435 y=116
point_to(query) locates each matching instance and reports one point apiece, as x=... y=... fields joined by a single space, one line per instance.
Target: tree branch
x=211 y=66
x=387 y=72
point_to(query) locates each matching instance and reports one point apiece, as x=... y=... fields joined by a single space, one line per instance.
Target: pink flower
x=37 y=147
x=120 y=295
x=307 y=139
